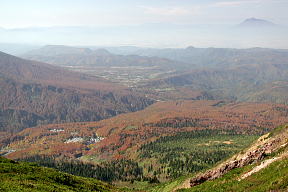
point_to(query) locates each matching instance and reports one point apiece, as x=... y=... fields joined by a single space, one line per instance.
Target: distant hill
x=275 y=92
x=20 y=176
x=34 y=93
x=249 y=82
x=253 y=22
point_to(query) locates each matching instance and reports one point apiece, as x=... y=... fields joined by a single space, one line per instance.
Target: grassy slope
x=272 y=178
x=20 y=176
x=168 y=186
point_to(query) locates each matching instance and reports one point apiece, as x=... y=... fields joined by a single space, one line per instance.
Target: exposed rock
x=259 y=167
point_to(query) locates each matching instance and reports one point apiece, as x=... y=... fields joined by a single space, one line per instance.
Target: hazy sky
x=151 y=23
x=32 y=13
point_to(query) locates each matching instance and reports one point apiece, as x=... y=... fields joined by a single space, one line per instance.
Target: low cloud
x=234 y=3
x=171 y=11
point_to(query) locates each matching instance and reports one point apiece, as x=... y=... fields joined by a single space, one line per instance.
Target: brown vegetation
x=124 y=134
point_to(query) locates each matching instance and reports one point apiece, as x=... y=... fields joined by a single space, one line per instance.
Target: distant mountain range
x=74 y=56
x=210 y=57
x=176 y=58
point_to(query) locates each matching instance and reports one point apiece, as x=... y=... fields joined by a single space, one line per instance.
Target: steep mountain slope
x=32 y=71
x=20 y=176
x=34 y=93
x=72 y=56
x=262 y=167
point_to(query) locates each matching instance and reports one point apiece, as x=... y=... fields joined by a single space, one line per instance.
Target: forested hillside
x=34 y=93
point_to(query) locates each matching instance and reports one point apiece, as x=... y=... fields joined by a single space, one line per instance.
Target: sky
x=38 y=13
x=135 y=22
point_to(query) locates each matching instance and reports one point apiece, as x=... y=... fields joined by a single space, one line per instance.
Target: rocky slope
x=268 y=151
